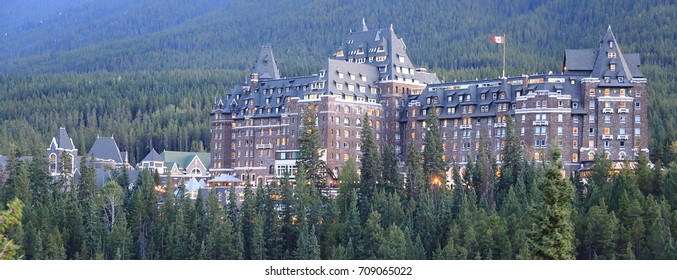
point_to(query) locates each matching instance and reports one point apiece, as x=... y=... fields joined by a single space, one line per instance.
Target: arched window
x=196 y=172
x=52 y=163
x=622 y=155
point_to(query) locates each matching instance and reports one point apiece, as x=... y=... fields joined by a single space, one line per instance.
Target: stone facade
x=597 y=105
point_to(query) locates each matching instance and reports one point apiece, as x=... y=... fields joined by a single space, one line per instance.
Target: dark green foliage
x=392 y=177
x=370 y=170
x=552 y=235
x=310 y=149
x=415 y=175
x=434 y=166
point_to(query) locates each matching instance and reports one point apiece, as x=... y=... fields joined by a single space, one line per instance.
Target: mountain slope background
x=146 y=71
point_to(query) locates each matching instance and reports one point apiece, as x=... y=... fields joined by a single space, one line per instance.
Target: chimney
x=253 y=81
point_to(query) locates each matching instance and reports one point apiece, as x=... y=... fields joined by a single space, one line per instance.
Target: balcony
x=623 y=110
x=540 y=122
x=622 y=137
x=466 y=126
x=264 y=146
x=607 y=110
x=502 y=124
x=607 y=137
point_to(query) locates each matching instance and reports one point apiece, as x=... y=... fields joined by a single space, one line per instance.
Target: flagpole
x=503 y=55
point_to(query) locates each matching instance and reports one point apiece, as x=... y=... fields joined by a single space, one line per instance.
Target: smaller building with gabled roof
x=106 y=153
x=62 y=154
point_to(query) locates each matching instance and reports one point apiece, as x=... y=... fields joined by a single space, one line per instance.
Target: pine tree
x=8 y=219
x=483 y=175
x=511 y=165
x=394 y=245
x=372 y=236
x=425 y=224
x=120 y=243
x=644 y=174
x=248 y=223
x=415 y=176
x=272 y=226
x=392 y=176
x=669 y=189
x=54 y=249
x=348 y=182
x=552 y=235
x=288 y=209
x=434 y=165
x=258 y=242
x=311 y=150
x=600 y=233
x=352 y=226
x=370 y=171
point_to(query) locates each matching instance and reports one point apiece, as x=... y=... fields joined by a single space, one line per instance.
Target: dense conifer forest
x=148 y=72
x=529 y=211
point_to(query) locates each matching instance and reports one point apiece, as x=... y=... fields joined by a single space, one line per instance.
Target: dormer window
x=606 y=79
x=381 y=48
x=360 y=51
x=612 y=67
x=401 y=59
x=339 y=53
x=611 y=55
x=620 y=79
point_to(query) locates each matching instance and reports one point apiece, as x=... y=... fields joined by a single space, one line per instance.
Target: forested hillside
x=530 y=212
x=46 y=49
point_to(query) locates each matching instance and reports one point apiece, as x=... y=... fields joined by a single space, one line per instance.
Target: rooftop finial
x=364 y=25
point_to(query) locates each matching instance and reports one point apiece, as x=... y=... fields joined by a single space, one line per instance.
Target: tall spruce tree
x=552 y=235
x=311 y=149
x=392 y=176
x=511 y=164
x=370 y=171
x=434 y=163
x=415 y=175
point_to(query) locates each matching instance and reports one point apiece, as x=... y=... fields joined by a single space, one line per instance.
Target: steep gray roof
x=376 y=43
x=448 y=95
x=579 y=60
x=153 y=156
x=265 y=64
x=105 y=148
x=597 y=63
x=603 y=62
x=63 y=140
x=348 y=69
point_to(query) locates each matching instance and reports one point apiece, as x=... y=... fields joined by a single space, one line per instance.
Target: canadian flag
x=499 y=39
